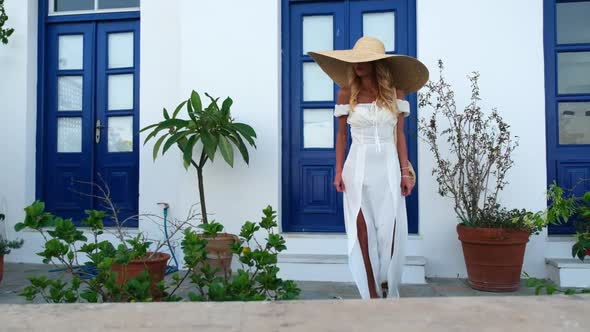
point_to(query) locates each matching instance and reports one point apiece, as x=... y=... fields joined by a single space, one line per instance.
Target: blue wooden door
x=567 y=85
x=309 y=200
x=91 y=118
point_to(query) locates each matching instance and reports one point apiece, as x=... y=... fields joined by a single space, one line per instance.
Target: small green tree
x=211 y=126
x=4 y=32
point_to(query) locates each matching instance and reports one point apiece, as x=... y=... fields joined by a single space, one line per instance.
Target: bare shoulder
x=344 y=95
x=401 y=94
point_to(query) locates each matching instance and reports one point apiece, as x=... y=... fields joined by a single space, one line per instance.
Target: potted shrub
x=257 y=278
x=472 y=152
x=131 y=271
x=6 y=246
x=205 y=131
x=581 y=248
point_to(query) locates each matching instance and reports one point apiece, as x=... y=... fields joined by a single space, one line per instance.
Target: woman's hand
x=338 y=183
x=407 y=186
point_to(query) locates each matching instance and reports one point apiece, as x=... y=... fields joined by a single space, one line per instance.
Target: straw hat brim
x=409 y=73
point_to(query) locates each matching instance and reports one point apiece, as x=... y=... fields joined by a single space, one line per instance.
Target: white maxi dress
x=372 y=181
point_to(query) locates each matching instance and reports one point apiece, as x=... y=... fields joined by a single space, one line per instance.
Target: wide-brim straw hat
x=409 y=74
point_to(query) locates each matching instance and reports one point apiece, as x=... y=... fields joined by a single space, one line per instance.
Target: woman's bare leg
x=384 y=285
x=363 y=238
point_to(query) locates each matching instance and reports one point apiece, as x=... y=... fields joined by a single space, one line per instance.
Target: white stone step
x=315 y=267
x=569 y=272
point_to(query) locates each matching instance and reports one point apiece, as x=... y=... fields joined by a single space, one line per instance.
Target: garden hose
x=169 y=269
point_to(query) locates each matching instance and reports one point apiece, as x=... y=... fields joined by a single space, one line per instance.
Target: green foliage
x=547 y=287
x=4 y=32
x=64 y=242
x=582 y=245
x=211 y=127
x=211 y=229
x=560 y=209
x=257 y=280
x=7 y=246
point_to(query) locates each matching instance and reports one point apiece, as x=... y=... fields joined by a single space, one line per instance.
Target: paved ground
x=15 y=278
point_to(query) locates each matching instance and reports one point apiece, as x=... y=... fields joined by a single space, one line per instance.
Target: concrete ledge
x=569 y=272
x=546 y=313
x=313 y=267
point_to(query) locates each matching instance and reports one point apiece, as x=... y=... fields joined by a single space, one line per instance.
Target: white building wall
x=232 y=48
x=503 y=40
x=18 y=111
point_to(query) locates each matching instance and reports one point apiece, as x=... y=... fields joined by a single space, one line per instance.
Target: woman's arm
x=402 y=150
x=402 y=147
x=341 y=140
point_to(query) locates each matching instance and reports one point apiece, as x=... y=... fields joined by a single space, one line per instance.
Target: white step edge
x=569 y=272
x=336 y=259
x=334 y=268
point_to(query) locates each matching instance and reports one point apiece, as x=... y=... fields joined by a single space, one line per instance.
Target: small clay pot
x=155 y=265
x=219 y=253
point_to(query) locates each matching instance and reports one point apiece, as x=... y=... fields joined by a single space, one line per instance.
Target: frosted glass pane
x=382 y=26
x=71 y=5
x=573 y=72
x=121 y=92
x=69 y=135
x=121 y=50
x=120 y=134
x=69 y=93
x=573 y=22
x=574 y=123
x=318 y=128
x=318 y=33
x=71 y=51
x=108 y=4
x=317 y=86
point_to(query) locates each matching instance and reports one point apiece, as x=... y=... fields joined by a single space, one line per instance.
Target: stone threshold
x=569 y=272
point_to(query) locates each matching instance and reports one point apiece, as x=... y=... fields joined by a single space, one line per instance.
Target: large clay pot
x=493 y=257
x=219 y=253
x=155 y=265
x=1 y=267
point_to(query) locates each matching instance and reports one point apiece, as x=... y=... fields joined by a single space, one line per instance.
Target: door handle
x=97 y=131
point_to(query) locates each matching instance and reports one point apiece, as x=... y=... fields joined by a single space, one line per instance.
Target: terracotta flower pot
x=155 y=265
x=493 y=257
x=1 y=267
x=219 y=253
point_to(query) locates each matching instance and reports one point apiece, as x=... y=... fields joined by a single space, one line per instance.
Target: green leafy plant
x=212 y=128
x=7 y=246
x=94 y=281
x=558 y=211
x=581 y=247
x=4 y=32
x=545 y=286
x=256 y=280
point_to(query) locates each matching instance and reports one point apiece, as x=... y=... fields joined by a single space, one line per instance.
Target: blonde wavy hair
x=386 y=94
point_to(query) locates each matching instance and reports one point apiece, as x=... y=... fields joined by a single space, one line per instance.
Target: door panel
x=117 y=104
x=91 y=125
x=69 y=113
x=315 y=205
x=567 y=87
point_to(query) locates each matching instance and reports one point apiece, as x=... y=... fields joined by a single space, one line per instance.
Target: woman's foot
x=385 y=289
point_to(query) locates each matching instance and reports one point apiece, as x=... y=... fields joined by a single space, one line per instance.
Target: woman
x=377 y=175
